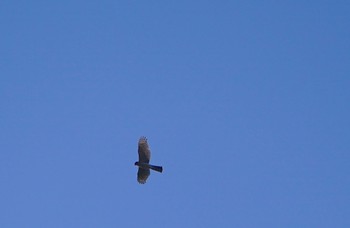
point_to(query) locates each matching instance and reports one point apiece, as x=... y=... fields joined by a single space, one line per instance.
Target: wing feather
x=144 y=151
x=142 y=175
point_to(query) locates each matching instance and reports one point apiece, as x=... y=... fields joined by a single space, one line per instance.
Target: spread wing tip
x=142 y=139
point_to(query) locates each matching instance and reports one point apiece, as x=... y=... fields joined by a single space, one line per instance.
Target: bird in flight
x=143 y=163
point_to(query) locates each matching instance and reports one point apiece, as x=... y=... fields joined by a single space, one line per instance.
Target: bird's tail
x=156 y=168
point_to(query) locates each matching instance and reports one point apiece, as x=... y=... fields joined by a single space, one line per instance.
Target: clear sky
x=244 y=103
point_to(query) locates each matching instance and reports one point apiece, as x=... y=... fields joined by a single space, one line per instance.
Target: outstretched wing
x=142 y=175
x=144 y=151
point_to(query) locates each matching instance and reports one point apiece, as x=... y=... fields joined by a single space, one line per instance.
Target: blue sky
x=244 y=103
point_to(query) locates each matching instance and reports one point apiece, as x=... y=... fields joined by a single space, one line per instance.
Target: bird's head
x=136 y=163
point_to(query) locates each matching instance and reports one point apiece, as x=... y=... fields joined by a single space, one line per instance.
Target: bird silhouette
x=143 y=163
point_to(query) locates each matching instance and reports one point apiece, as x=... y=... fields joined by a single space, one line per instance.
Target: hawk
x=143 y=163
